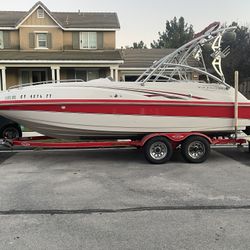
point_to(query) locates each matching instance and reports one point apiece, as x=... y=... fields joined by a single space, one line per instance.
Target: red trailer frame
x=158 y=147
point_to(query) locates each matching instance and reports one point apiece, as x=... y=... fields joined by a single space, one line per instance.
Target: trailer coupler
x=8 y=143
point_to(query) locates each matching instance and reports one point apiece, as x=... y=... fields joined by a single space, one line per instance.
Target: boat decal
x=149 y=92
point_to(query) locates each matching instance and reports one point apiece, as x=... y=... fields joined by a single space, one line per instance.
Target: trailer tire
x=158 y=150
x=195 y=149
x=11 y=132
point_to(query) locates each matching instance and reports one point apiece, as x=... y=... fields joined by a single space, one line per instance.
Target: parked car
x=9 y=129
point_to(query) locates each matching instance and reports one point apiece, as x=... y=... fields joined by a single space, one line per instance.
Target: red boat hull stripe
x=226 y=111
x=113 y=101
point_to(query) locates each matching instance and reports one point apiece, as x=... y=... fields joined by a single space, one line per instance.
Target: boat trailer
x=158 y=148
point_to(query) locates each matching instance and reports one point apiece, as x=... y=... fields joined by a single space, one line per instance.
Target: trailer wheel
x=158 y=150
x=195 y=149
x=11 y=132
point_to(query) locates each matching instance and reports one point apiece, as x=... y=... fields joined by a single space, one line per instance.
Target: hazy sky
x=142 y=20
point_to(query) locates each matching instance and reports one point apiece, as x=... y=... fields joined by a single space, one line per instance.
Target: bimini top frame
x=176 y=63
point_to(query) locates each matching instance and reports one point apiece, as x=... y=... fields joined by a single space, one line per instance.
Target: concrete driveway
x=114 y=199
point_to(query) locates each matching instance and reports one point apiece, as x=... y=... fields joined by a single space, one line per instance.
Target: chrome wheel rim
x=196 y=150
x=158 y=150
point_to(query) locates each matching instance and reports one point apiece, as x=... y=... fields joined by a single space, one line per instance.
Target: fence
x=244 y=88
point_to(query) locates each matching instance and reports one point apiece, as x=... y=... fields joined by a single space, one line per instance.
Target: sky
x=142 y=20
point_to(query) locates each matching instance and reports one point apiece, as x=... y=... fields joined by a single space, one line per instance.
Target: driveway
x=114 y=199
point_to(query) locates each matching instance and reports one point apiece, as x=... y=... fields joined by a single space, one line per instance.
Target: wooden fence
x=244 y=87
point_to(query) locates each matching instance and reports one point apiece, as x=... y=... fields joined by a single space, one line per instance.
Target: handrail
x=44 y=82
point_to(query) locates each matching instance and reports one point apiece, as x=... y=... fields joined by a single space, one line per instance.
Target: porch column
x=3 y=78
x=53 y=76
x=112 y=72
x=58 y=78
x=116 y=74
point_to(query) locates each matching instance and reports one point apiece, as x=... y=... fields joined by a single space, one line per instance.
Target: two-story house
x=41 y=45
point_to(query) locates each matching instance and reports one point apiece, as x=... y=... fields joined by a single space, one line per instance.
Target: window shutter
x=32 y=40
x=1 y=39
x=49 y=39
x=76 y=42
x=99 y=40
x=6 y=39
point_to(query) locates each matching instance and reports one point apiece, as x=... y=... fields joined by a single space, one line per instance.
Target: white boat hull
x=79 y=126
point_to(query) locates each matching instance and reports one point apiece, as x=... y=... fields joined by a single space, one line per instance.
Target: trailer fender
x=175 y=138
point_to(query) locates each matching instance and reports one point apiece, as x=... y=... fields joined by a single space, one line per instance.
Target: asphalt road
x=114 y=199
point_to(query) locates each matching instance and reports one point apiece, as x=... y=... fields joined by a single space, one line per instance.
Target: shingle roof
x=95 y=20
x=10 y=18
x=105 y=55
x=144 y=58
x=87 y=19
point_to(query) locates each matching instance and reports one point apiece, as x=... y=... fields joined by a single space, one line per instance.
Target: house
x=136 y=61
x=40 y=45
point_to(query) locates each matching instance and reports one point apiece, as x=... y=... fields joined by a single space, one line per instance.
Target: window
x=88 y=40
x=93 y=74
x=40 y=13
x=92 y=40
x=87 y=74
x=25 y=76
x=36 y=75
x=42 y=41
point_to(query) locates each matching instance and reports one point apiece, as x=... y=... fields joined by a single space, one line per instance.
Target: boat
x=163 y=99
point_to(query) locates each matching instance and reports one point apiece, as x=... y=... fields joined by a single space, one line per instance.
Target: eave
x=62 y=61
x=65 y=29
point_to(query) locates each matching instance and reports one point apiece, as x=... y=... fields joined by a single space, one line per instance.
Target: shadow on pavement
x=4 y=156
x=238 y=154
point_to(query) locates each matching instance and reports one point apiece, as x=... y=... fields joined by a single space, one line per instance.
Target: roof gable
x=34 y=20
x=32 y=11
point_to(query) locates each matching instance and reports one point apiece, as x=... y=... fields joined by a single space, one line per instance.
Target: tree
x=176 y=34
x=140 y=45
x=239 y=58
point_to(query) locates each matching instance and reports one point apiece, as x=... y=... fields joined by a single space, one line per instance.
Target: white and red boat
x=156 y=102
